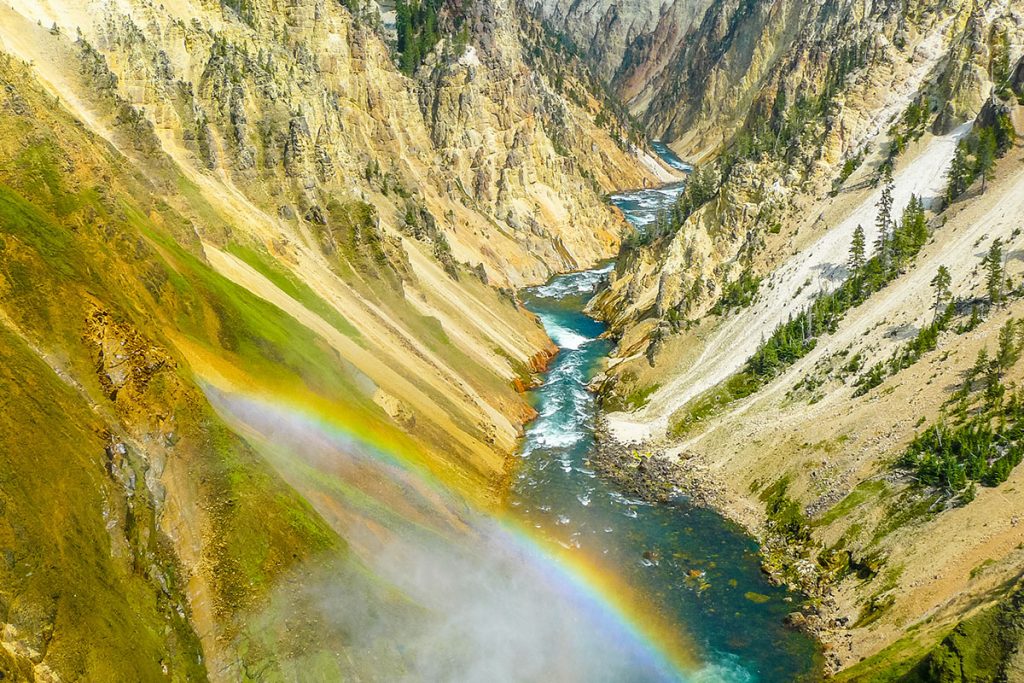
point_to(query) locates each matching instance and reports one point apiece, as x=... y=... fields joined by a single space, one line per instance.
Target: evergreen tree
x=1009 y=350
x=994 y=389
x=884 y=219
x=403 y=24
x=417 y=28
x=993 y=263
x=979 y=369
x=857 y=254
x=941 y=283
x=911 y=234
x=987 y=149
x=959 y=174
x=915 y=224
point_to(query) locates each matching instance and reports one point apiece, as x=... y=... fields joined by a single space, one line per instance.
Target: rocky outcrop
x=965 y=81
x=801 y=108
x=630 y=44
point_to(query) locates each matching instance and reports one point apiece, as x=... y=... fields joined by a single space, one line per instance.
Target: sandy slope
x=817 y=268
x=938 y=568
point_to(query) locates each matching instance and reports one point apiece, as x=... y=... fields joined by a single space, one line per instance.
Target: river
x=571 y=582
x=685 y=565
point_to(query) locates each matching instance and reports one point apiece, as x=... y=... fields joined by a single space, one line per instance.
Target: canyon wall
x=253 y=200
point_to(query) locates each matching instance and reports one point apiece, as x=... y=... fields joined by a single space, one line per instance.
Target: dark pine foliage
x=982 y=444
x=795 y=338
x=975 y=155
x=420 y=24
x=738 y=294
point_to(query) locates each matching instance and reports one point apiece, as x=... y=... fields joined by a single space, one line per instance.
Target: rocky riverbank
x=650 y=472
x=646 y=471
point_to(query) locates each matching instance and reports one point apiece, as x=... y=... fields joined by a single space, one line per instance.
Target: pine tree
x=403 y=24
x=980 y=367
x=1009 y=351
x=941 y=283
x=993 y=263
x=959 y=174
x=994 y=388
x=857 y=254
x=987 y=149
x=918 y=223
x=884 y=219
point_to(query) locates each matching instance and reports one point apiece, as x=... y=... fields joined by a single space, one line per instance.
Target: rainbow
x=673 y=652
x=601 y=596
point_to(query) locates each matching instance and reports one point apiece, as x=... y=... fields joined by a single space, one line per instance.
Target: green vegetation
x=420 y=223
x=994 y=272
x=910 y=126
x=291 y=285
x=263 y=338
x=976 y=154
x=784 y=514
x=983 y=442
x=858 y=255
x=864 y=491
x=978 y=649
x=776 y=130
x=738 y=386
x=999 y=65
x=849 y=166
x=797 y=337
x=90 y=261
x=887 y=666
x=739 y=293
x=638 y=398
x=874 y=608
x=926 y=340
x=701 y=187
x=418 y=33
x=907 y=508
x=78 y=580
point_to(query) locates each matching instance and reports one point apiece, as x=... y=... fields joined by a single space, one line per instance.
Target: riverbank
x=650 y=471
x=655 y=471
x=679 y=561
x=898 y=564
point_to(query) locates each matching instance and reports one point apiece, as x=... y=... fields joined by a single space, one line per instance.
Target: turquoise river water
x=690 y=566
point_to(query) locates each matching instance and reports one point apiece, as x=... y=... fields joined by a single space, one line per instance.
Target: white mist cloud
x=477 y=603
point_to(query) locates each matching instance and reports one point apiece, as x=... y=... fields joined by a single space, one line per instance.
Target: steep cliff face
x=822 y=106
x=309 y=101
x=801 y=398
x=630 y=44
x=605 y=30
x=202 y=200
x=740 y=50
x=525 y=155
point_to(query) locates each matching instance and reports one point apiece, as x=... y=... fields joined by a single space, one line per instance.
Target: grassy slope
x=979 y=649
x=83 y=598
x=93 y=272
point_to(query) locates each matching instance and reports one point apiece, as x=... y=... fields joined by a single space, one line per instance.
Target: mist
x=435 y=590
